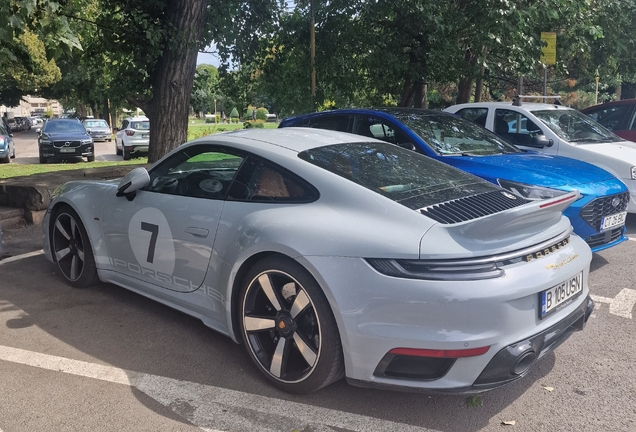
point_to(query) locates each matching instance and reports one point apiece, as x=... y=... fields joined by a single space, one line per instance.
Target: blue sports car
x=598 y=216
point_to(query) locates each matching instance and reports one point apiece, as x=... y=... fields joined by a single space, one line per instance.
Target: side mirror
x=540 y=141
x=38 y=131
x=115 y=129
x=132 y=182
x=88 y=131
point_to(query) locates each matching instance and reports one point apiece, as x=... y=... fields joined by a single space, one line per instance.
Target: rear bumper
x=511 y=362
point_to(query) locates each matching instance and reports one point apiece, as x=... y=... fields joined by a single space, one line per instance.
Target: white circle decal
x=151 y=241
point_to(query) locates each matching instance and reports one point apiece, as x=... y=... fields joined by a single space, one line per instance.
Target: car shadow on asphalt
x=128 y=331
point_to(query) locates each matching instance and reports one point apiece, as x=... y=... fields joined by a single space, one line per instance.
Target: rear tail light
x=1 y=140
x=130 y=133
x=457 y=353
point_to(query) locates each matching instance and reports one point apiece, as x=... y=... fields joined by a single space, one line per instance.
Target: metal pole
x=545 y=81
x=597 y=78
x=312 y=34
x=520 y=85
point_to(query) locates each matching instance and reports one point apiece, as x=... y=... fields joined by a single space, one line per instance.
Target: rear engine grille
x=60 y=144
x=473 y=207
x=594 y=211
x=604 y=237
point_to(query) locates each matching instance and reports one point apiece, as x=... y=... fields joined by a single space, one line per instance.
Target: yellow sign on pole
x=548 y=50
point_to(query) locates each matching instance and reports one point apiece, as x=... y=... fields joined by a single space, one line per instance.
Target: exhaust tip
x=524 y=362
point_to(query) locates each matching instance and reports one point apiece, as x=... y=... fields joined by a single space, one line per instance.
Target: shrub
x=258 y=124
x=261 y=114
x=234 y=115
x=249 y=113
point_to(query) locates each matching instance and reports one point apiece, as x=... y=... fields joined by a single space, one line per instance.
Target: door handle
x=197 y=232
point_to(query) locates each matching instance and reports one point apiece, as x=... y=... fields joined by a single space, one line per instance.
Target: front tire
x=90 y=158
x=288 y=327
x=72 y=250
x=117 y=150
x=43 y=160
x=126 y=153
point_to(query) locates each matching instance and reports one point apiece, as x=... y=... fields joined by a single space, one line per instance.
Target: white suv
x=558 y=130
x=132 y=137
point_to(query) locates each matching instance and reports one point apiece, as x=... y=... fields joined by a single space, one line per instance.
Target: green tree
x=205 y=90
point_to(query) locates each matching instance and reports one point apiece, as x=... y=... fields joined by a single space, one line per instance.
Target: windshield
x=409 y=178
x=450 y=135
x=574 y=127
x=96 y=124
x=64 y=126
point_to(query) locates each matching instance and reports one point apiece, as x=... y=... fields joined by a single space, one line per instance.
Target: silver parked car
x=331 y=255
x=98 y=129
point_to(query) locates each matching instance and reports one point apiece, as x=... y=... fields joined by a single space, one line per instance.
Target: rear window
x=406 y=177
x=95 y=123
x=142 y=125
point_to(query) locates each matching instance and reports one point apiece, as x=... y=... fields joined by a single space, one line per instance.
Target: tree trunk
x=173 y=78
x=106 y=113
x=619 y=91
x=479 y=86
x=407 y=91
x=419 y=96
x=465 y=85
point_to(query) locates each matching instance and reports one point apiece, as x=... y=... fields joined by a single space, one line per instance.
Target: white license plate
x=614 y=220
x=67 y=150
x=145 y=135
x=558 y=296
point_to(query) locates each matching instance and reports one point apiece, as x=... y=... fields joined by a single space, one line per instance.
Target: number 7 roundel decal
x=151 y=240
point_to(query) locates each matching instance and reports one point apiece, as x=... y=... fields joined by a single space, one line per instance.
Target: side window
x=618 y=117
x=515 y=127
x=202 y=171
x=260 y=181
x=124 y=124
x=477 y=115
x=338 y=123
x=374 y=127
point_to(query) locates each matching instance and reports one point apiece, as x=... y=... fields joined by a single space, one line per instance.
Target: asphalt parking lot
x=105 y=359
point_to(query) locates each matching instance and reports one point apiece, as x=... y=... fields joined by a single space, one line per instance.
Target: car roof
x=528 y=106
x=609 y=104
x=63 y=119
x=139 y=118
x=371 y=111
x=296 y=139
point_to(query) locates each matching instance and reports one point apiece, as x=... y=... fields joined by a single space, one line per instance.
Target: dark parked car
x=63 y=138
x=617 y=116
x=7 y=146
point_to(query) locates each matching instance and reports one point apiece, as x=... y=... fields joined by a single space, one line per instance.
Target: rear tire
x=71 y=249
x=288 y=328
x=6 y=159
x=126 y=153
x=117 y=150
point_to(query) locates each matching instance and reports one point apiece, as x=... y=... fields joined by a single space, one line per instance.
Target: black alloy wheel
x=72 y=250
x=288 y=327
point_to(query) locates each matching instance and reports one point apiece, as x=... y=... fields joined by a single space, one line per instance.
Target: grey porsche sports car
x=330 y=255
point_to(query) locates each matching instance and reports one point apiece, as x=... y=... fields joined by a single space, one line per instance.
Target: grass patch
x=202 y=129
x=19 y=170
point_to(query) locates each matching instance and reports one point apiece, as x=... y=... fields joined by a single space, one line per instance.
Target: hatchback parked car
x=7 y=146
x=617 y=116
x=61 y=138
x=329 y=255
x=98 y=129
x=558 y=130
x=598 y=215
x=132 y=137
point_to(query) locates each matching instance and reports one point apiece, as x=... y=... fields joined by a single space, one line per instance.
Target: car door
x=382 y=129
x=517 y=128
x=165 y=234
x=119 y=136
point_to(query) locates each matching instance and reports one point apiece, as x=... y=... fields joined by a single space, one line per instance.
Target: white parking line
x=621 y=305
x=212 y=408
x=21 y=257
